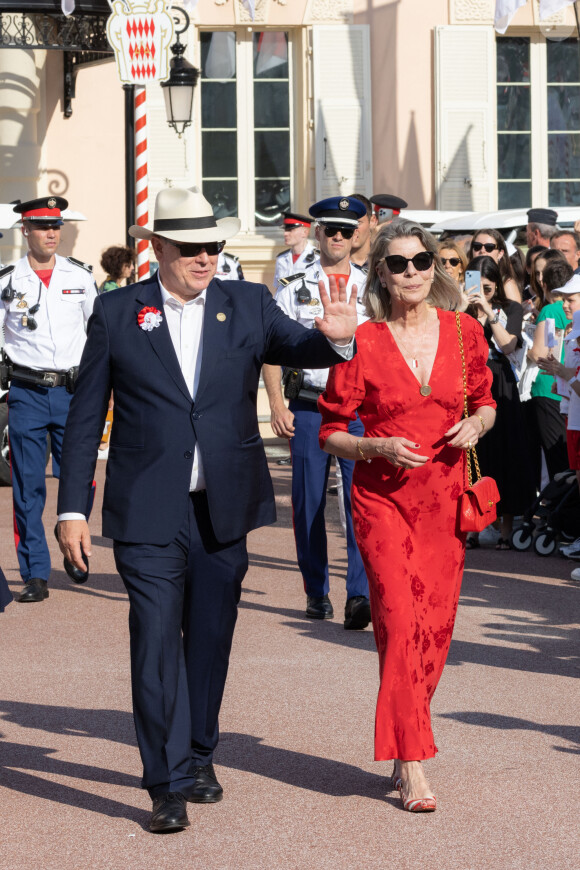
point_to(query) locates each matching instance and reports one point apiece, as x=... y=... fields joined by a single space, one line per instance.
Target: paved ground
x=295 y=758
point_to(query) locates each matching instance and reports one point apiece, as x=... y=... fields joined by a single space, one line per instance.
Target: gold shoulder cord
x=471 y=452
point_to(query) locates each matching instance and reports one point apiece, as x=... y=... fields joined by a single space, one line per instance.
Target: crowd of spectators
x=525 y=302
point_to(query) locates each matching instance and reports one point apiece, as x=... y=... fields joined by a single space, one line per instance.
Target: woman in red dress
x=406 y=384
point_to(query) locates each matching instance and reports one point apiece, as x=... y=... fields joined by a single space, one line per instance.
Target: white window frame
x=539 y=116
x=245 y=126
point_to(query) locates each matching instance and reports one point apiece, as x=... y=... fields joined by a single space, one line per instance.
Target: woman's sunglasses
x=453 y=261
x=189 y=249
x=421 y=262
x=489 y=246
x=345 y=232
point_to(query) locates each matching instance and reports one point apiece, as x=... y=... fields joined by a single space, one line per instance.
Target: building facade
x=420 y=98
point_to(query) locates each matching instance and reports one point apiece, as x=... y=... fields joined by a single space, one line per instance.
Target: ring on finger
x=469 y=445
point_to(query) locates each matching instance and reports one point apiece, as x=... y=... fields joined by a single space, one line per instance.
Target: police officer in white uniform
x=337 y=219
x=229 y=268
x=46 y=301
x=300 y=254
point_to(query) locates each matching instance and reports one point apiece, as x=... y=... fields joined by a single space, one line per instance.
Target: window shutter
x=342 y=110
x=465 y=118
x=169 y=158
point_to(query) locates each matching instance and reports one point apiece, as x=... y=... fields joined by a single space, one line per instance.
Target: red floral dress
x=406 y=520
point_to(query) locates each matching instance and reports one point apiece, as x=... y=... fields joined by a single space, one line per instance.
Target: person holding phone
x=491 y=243
x=504 y=455
x=546 y=425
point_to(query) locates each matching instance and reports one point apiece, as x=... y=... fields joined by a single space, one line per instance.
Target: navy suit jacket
x=157 y=425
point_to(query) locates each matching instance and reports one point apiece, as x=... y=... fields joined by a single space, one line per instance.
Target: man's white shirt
x=185 y=324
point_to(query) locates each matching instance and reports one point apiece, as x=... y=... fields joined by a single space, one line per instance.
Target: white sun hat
x=571 y=286
x=186 y=216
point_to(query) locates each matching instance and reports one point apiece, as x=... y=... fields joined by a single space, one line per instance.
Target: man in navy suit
x=187 y=476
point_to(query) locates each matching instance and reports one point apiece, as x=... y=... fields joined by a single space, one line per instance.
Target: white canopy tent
x=506 y=9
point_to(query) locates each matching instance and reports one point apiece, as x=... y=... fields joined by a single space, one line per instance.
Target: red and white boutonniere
x=148 y=318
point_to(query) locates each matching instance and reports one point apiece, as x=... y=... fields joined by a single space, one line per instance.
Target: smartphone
x=472 y=282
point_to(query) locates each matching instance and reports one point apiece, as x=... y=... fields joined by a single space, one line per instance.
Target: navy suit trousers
x=310 y=468
x=183 y=609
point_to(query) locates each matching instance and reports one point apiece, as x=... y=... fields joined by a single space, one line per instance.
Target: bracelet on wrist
x=359 y=448
x=482 y=421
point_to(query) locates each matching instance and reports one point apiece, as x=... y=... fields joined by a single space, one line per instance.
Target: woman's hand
x=478 y=299
x=465 y=434
x=399 y=451
x=551 y=366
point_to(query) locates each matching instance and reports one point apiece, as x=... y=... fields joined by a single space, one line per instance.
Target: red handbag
x=478 y=504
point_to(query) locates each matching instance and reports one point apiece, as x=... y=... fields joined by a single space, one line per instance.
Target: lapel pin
x=221 y=317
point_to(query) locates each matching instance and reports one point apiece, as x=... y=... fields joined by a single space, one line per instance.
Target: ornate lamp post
x=179 y=87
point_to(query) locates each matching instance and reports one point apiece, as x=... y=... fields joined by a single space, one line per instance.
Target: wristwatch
x=493 y=320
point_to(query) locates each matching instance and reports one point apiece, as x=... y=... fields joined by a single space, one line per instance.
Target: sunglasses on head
x=489 y=246
x=345 y=232
x=190 y=249
x=453 y=261
x=421 y=262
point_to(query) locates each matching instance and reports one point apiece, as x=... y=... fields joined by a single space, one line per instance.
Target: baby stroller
x=553 y=516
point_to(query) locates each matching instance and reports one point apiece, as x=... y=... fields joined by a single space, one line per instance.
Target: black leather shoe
x=357 y=613
x=206 y=789
x=286 y=461
x=35 y=590
x=169 y=813
x=75 y=574
x=319 y=608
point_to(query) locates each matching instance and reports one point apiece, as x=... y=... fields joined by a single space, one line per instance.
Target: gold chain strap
x=470 y=454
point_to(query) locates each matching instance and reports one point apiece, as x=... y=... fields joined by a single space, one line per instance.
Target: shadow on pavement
x=534 y=615
x=531 y=630
x=39 y=759
x=37 y=786
x=259 y=560
x=311 y=772
x=97 y=585
x=571 y=733
x=319 y=629
x=114 y=725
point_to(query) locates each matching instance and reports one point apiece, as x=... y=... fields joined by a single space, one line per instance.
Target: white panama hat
x=186 y=216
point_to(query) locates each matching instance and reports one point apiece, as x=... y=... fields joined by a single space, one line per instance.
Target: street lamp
x=178 y=89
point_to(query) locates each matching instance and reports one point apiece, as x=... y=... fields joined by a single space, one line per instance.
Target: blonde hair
x=451 y=245
x=444 y=292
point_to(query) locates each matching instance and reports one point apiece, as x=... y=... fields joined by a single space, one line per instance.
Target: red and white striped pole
x=141 y=185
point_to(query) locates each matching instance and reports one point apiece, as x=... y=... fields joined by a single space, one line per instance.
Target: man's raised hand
x=340 y=320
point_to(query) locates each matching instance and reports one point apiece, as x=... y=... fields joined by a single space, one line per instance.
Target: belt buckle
x=50 y=379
